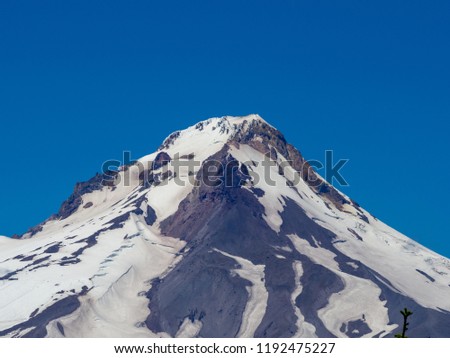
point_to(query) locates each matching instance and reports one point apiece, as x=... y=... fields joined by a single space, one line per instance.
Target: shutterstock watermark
x=187 y=170
x=331 y=168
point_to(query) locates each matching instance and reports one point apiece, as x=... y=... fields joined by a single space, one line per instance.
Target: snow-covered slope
x=196 y=240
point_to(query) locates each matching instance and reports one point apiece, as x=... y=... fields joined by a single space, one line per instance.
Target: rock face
x=72 y=204
x=223 y=248
x=161 y=160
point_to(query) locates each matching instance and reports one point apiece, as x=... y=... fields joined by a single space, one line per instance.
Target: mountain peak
x=225 y=208
x=241 y=119
x=234 y=121
x=216 y=129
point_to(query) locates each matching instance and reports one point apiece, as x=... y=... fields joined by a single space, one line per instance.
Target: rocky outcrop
x=74 y=201
x=169 y=140
x=268 y=140
x=161 y=160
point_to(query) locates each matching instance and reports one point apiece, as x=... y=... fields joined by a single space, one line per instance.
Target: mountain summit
x=224 y=231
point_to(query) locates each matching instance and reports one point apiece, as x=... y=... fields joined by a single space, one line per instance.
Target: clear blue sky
x=81 y=81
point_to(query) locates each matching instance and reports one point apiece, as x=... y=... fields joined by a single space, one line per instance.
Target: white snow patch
x=304 y=329
x=353 y=301
x=258 y=295
x=189 y=329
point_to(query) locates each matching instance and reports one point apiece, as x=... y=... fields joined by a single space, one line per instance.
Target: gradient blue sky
x=81 y=81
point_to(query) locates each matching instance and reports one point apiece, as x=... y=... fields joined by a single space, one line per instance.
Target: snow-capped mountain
x=225 y=231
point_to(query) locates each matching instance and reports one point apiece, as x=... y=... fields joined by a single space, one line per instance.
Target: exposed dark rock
x=318 y=283
x=28 y=258
x=188 y=156
x=39 y=267
x=332 y=194
x=258 y=192
x=90 y=241
x=263 y=137
x=39 y=322
x=355 y=234
x=379 y=334
x=87 y=205
x=355 y=329
x=84 y=290
x=202 y=283
x=8 y=275
x=52 y=249
x=130 y=199
x=38 y=261
x=222 y=171
x=279 y=319
x=118 y=222
x=150 y=218
x=363 y=217
x=162 y=177
x=138 y=202
x=161 y=160
x=170 y=140
x=426 y=275
x=273 y=154
x=244 y=170
x=75 y=199
x=146 y=178
x=35 y=229
x=66 y=261
x=60 y=328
